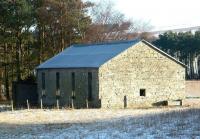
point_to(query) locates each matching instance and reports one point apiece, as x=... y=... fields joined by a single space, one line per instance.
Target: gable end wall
x=140 y=67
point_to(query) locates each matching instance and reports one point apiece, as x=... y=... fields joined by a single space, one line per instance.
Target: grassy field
x=101 y=123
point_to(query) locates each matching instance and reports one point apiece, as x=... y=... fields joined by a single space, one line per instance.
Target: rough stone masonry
x=140 y=67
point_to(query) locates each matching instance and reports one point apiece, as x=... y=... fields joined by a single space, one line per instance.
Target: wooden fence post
x=87 y=103
x=69 y=102
x=27 y=104
x=57 y=102
x=72 y=103
x=41 y=104
x=12 y=105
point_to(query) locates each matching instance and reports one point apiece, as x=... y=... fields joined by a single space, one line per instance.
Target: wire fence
x=10 y=105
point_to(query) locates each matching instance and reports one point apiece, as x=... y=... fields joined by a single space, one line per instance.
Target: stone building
x=111 y=75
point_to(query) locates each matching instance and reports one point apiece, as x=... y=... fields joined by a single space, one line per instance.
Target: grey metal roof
x=88 y=55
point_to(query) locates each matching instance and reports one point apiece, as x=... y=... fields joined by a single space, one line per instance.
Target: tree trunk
x=195 y=65
x=6 y=80
x=7 y=84
x=198 y=66
x=18 y=45
x=41 y=43
x=189 y=65
x=1 y=93
x=62 y=39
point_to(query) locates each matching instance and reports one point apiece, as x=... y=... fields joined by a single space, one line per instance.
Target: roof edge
x=164 y=53
x=70 y=68
x=107 y=43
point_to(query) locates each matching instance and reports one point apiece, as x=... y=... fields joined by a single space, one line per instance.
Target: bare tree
x=108 y=24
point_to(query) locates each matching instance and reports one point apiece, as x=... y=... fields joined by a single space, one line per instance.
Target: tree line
x=31 y=31
x=34 y=30
x=185 y=47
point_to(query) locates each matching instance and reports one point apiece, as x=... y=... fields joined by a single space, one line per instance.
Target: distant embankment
x=193 y=88
x=192 y=93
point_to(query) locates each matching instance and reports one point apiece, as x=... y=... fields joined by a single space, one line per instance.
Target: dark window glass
x=73 y=81
x=73 y=85
x=57 y=81
x=89 y=86
x=142 y=92
x=43 y=81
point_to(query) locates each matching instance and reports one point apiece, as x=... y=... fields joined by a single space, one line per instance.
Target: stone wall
x=140 y=67
x=81 y=87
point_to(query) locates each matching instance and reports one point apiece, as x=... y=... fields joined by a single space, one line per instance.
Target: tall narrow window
x=57 y=80
x=43 y=84
x=43 y=81
x=89 y=86
x=73 y=85
x=57 y=83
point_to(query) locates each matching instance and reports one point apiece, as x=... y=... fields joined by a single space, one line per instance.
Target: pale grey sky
x=162 y=14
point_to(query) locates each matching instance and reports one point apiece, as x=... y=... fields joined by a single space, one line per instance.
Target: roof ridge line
x=106 y=43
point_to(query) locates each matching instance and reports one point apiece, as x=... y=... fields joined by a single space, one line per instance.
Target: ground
x=101 y=123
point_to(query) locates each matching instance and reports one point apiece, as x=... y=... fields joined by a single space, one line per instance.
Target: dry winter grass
x=101 y=123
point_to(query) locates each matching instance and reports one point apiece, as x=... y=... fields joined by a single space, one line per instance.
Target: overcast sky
x=162 y=14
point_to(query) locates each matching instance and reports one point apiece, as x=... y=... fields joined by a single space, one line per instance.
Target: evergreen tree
x=185 y=47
